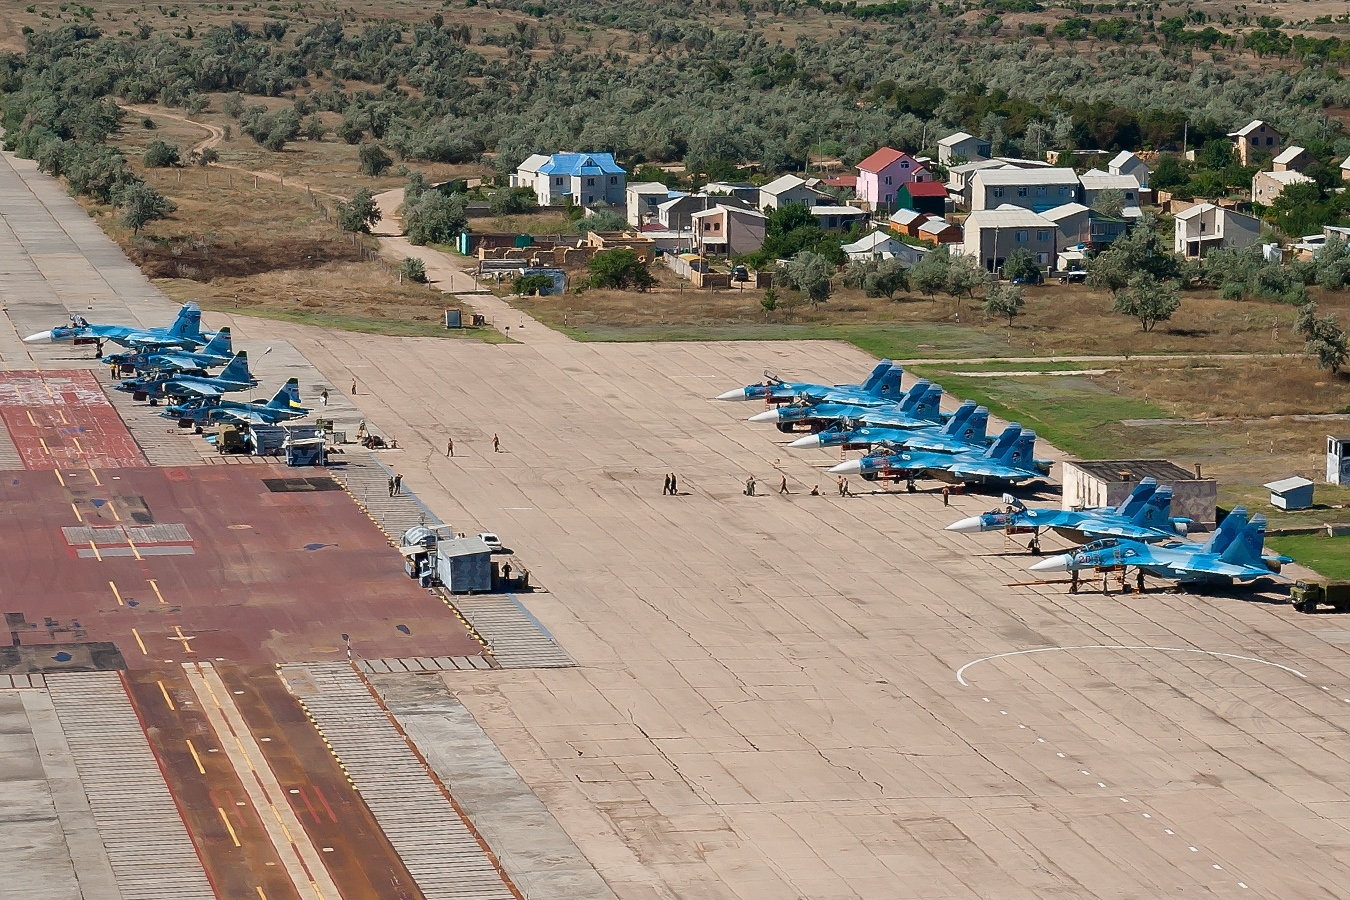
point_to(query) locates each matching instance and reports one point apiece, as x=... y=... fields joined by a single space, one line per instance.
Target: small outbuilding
x=1294 y=492
x=1338 y=459
x=464 y=565
x=1090 y=484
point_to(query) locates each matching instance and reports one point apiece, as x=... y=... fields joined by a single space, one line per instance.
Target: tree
x=1003 y=300
x=508 y=201
x=770 y=300
x=415 y=187
x=412 y=269
x=1147 y=299
x=1324 y=338
x=929 y=274
x=373 y=160
x=964 y=275
x=1141 y=251
x=601 y=221
x=1021 y=266
x=810 y=273
x=434 y=218
x=1109 y=202
x=159 y=155
x=1299 y=210
x=281 y=127
x=531 y=284
x=887 y=278
x=315 y=129
x=141 y=204
x=619 y=269
x=359 y=213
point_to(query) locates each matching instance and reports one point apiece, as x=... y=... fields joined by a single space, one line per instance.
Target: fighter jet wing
x=987 y=470
x=176 y=361
x=198 y=390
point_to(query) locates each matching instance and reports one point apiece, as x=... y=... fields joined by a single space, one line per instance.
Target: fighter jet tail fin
x=220 y=345
x=929 y=407
x=913 y=396
x=888 y=386
x=1135 y=500
x=1003 y=444
x=873 y=381
x=1022 y=453
x=189 y=322
x=1245 y=550
x=1228 y=530
x=956 y=425
x=288 y=397
x=237 y=370
x=1156 y=510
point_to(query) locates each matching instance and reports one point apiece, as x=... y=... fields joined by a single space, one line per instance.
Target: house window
x=590 y=182
x=998 y=192
x=614 y=179
x=1269 y=141
x=834 y=222
x=1021 y=192
x=1021 y=237
x=1042 y=259
x=1042 y=236
x=1129 y=195
x=905 y=164
x=1040 y=192
x=558 y=181
x=888 y=181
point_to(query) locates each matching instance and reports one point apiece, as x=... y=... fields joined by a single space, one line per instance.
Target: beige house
x=991 y=236
x=1255 y=138
x=728 y=230
x=1205 y=226
x=1266 y=186
x=1033 y=189
x=1292 y=159
x=790 y=189
x=1126 y=163
x=1073 y=222
x=1094 y=181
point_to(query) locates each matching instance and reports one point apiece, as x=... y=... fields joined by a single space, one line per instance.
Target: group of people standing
x=672 y=486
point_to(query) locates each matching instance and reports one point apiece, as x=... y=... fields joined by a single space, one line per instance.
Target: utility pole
x=1185 y=133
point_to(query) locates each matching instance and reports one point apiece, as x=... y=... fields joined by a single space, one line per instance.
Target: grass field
x=1327 y=556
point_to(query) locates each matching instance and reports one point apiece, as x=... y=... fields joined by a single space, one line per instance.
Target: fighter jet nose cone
x=812 y=440
x=1053 y=564
x=738 y=394
x=39 y=338
x=769 y=415
x=966 y=526
x=851 y=467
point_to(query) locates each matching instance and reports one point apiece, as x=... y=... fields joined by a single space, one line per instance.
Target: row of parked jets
x=174 y=365
x=906 y=435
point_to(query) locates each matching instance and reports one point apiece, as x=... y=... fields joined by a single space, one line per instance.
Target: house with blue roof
x=588 y=179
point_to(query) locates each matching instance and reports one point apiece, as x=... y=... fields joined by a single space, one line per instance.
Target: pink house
x=882 y=173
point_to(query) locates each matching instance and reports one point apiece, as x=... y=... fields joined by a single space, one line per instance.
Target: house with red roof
x=882 y=173
x=922 y=196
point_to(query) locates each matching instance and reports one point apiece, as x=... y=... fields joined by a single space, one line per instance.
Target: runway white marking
x=961 y=672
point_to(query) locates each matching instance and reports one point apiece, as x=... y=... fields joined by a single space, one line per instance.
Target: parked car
x=494 y=543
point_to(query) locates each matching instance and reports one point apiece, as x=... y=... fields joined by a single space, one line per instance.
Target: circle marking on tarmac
x=961 y=672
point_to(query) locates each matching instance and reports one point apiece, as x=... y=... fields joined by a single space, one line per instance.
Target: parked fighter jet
x=185 y=332
x=1142 y=516
x=882 y=386
x=963 y=432
x=1008 y=460
x=283 y=407
x=1232 y=553
x=217 y=352
x=918 y=408
x=234 y=377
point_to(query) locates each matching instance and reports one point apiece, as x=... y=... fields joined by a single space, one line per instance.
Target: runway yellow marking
x=45 y=448
x=94 y=475
x=58 y=476
x=139 y=643
x=113 y=506
x=195 y=758
x=78 y=448
x=165 y=691
x=98 y=556
x=155 y=587
x=228 y=827
x=260 y=893
x=62 y=414
x=116 y=593
x=134 y=552
x=76 y=509
x=187 y=648
x=30 y=417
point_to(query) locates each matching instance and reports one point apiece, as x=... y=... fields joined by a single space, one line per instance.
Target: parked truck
x=1307 y=596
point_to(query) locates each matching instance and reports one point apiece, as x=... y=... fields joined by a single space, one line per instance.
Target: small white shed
x=1294 y=492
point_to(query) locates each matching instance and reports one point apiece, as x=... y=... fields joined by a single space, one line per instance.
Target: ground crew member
x=1139 y=580
x=815 y=490
x=665 y=486
x=323 y=398
x=841 y=485
x=398 y=484
x=750 y=486
x=946 y=496
x=353 y=387
x=496 y=444
x=449 y=446
x=782 y=486
x=674 y=485
x=391 y=486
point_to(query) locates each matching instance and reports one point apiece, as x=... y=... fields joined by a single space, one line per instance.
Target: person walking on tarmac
x=946 y=496
x=665 y=486
x=391 y=485
x=449 y=447
x=674 y=485
x=750 y=486
x=496 y=443
x=782 y=486
x=398 y=484
x=841 y=485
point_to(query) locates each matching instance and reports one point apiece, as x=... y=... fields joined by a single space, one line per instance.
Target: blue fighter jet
x=234 y=377
x=186 y=332
x=1008 y=460
x=1232 y=553
x=918 y=408
x=217 y=352
x=1143 y=516
x=882 y=386
x=283 y=407
x=963 y=432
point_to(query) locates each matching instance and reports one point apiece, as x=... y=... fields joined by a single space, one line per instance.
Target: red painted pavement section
x=273 y=577
x=62 y=419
